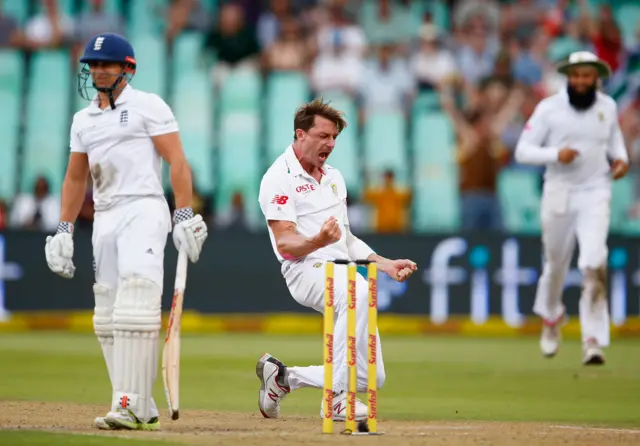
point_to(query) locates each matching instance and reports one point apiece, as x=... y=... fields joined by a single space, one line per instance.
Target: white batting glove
x=59 y=251
x=189 y=232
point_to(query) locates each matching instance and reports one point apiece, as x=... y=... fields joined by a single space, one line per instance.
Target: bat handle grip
x=181 y=270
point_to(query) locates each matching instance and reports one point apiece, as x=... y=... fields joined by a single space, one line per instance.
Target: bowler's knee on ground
x=310 y=292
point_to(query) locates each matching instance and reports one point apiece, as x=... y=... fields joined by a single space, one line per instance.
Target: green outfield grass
x=15 y=438
x=428 y=378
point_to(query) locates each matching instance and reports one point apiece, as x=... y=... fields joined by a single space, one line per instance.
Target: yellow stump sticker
x=327 y=403
x=350 y=423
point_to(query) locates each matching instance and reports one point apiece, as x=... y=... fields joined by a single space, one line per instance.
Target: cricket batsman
x=575 y=134
x=303 y=200
x=121 y=138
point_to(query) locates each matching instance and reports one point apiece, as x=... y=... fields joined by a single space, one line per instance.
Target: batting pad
x=137 y=322
x=103 y=323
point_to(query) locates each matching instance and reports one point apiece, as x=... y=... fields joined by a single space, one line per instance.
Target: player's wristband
x=65 y=227
x=182 y=214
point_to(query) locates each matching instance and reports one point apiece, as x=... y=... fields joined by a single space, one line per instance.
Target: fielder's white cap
x=585 y=58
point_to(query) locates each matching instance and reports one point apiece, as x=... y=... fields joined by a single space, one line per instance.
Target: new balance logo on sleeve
x=280 y=199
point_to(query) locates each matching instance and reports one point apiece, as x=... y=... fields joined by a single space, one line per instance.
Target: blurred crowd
x=486 y=67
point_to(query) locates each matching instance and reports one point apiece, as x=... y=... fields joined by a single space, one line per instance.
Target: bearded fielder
x=121 y=138
x=575 y=133
x=303 y=200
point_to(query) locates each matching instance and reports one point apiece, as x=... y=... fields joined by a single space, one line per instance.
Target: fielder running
x=303 y=200
x=575 y=133
x=121 y=137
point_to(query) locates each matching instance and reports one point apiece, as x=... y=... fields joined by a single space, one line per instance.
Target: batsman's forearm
x=73 y=194
x=182 y=184
x=296 y=245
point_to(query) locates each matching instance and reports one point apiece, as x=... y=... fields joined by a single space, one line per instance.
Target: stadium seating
x=240 y=161
x=231 y=135
x=518 y=191
x=438 y=10
x=426 y=101
x=432 y=139
x=628 y=16
x=151 y=64
x=345 y=155
x=145 y=19
x=241 y=91
x=193 y=108
x=110 y=6
x=436 y=199
x=240 y=169
x=384 y=142
x=621 y=200
x=46 y=144
x=18 y=10
x=11 y=80
x=285 y=92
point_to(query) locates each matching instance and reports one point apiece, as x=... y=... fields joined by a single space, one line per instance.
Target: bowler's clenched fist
x=400 y=269
x=329 y=233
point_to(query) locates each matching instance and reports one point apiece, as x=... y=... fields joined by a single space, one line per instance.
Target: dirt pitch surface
x=214 y=428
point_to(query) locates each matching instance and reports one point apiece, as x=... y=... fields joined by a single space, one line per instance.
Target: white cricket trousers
x=568 y=215
x=129 y=241
x=306 y=283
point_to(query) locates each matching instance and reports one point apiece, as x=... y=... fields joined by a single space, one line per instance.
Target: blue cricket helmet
x=106 y=47
x=109 y=47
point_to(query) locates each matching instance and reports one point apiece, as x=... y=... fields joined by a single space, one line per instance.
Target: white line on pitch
x=601 y=429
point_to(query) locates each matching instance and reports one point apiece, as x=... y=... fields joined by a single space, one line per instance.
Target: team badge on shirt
x=317 y=265
x=124 y=118
x=334 y=188
x=601 y=116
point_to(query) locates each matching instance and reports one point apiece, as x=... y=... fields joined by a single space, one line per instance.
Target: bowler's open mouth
x=324 y=155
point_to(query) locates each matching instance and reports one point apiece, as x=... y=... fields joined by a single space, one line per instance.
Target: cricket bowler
x=575 y=134
x=121 y=138
x=303 y=200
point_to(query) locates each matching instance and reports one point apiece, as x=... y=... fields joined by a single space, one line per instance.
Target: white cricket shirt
x=123 y=160
x=289 y=193
x=595 y=133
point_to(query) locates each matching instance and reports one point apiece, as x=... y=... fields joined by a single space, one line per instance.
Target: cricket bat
x=171 y=350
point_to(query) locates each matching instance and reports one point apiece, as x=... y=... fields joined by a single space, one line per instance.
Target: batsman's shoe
x=592 y=353
x=152 y=425
x=271 y=374
x=340 y=408
x=101 y=423
x=550 y=337
x=125 y=419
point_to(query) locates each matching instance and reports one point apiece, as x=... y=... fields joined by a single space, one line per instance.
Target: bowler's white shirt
x=594 y=133
x=289 y=193
x=123 y=160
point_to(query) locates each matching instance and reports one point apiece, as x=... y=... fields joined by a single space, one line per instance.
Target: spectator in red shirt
x=605 y=35
x=4 y=215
